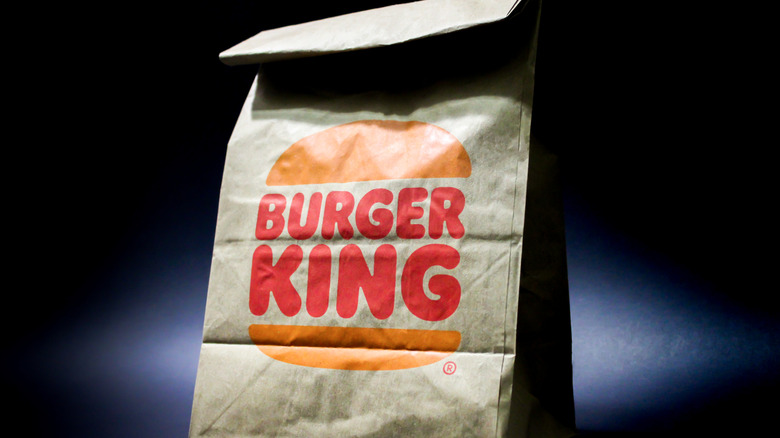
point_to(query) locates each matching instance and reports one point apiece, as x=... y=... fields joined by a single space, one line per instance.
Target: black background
x=661 y=112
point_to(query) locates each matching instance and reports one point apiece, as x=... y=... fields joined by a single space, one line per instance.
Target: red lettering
x=405 y=229
x=270 y=210
x=379 y=288
x=338 y=217
x=268 y=278
x=374 y=219
x=440 y=214
x=382 y=216
x=319 y=281
x=445 y=286
x=294 y=227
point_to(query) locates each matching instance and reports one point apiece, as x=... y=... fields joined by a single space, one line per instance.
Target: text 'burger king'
x=368 y=150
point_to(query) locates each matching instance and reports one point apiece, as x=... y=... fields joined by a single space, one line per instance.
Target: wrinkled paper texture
x=483 y=102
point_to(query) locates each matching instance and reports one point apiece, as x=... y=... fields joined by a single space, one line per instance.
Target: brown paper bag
x=389 y=255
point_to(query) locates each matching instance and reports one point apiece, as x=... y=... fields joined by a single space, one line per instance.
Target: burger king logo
x=361 y=151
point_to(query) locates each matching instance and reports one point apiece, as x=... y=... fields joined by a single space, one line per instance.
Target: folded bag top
x=369 y=29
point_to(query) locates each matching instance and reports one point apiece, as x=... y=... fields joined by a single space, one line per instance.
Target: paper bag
x=388 y=259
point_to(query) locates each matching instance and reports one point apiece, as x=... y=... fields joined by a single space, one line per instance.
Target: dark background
x=662 y=115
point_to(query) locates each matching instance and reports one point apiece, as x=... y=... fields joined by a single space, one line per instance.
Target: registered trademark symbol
x=449 y=368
